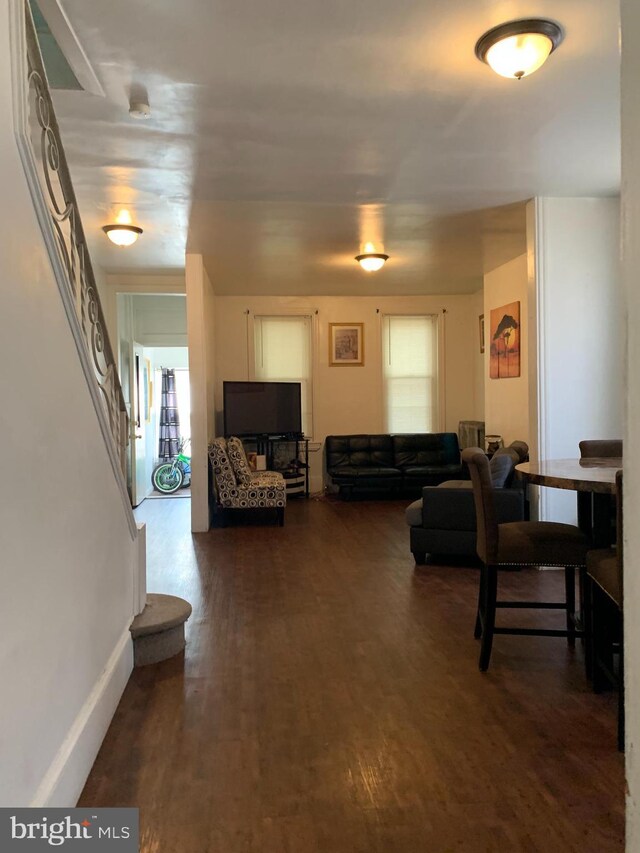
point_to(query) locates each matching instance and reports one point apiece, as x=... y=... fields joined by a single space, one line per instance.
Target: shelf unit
x=289 y=456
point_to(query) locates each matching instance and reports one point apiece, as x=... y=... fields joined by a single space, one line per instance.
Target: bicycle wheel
x=167 y=478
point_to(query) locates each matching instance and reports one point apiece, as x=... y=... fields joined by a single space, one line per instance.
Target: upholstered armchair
x=443 y=521
x=237 y=487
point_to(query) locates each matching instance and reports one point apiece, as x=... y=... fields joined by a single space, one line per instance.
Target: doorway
x=151 y=339
x=171 y=413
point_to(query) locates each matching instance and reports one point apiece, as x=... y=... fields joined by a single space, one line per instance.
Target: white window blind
x=410 y=364
x=283 y=354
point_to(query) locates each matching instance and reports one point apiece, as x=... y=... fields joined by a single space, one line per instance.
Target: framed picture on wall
x=481 y=330
x=504 y=358
x=346 y=344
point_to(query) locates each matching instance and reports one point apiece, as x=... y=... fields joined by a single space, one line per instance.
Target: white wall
x=173 y=358
x=159 y=320
x=579 y=365
x=349 y=399
x=631 y=264
x=201 y=328
x=479 y=379
x=506 y=400
x=68 y=558
x=114 y=284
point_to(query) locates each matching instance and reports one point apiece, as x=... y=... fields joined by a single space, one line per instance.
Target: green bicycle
x=168 y=477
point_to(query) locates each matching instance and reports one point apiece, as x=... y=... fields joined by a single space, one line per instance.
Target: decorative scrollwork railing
x=59 y=196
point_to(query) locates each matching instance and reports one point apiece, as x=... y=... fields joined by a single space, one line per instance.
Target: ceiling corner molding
x=65 y=35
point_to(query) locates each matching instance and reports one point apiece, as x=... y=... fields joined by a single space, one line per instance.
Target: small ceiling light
x=371 y=261
x=139 y=110
x=122 y=233
x=519 y=48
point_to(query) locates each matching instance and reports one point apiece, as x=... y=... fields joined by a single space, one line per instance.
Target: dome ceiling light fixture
x=139 y=110
x=371 y=261
x=122 y=232
x=518 y=48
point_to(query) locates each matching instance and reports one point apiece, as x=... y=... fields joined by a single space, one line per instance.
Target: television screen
x=262 y=408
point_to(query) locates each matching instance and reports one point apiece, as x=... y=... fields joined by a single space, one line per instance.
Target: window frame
x=251 y=349
x=439 y=371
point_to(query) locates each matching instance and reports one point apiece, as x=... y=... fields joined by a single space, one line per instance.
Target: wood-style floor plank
x=329 y=700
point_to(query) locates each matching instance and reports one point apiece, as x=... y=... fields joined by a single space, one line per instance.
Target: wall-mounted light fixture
x=518 y=48
x=122 y=232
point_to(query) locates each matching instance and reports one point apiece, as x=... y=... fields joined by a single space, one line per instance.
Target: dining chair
x=605 y=595
x=519 y=543
x=604 y=448
x=597 y=512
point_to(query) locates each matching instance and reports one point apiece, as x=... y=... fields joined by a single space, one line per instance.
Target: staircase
x=158 y=631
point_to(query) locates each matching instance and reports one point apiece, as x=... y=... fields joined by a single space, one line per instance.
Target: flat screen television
x=262 y=408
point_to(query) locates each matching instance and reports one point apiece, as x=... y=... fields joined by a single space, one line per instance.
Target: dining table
x=594 y=481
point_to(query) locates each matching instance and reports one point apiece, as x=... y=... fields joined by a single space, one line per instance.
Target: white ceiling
x=285 y=133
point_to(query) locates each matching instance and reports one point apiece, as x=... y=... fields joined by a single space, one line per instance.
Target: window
x=410 y=365
x=283 y=354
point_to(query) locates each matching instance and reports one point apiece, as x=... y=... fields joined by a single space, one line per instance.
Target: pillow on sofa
x=501 y=466
x=238 y=459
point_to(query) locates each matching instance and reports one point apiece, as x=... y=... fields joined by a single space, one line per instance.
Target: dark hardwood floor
x=329 y=700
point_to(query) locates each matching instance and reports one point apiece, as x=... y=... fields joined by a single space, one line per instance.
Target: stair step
x=158 y=632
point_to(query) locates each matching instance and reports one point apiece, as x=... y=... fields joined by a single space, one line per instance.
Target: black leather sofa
x=392 y=462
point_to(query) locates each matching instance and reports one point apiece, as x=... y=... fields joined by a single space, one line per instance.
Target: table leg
x=585 y=513
x=585 y=523
x=603 y=509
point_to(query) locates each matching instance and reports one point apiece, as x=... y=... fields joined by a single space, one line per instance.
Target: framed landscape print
x=504 y=331
x=346 y=344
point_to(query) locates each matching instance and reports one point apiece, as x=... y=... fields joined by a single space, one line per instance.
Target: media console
x=287 y=454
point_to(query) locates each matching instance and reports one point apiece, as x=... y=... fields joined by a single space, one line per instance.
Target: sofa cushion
x=456 y=484
x=432 y=449
x=501 y=466
x=521 y=448
x=359 y=451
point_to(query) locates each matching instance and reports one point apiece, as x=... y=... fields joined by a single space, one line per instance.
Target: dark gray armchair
x=443 y=521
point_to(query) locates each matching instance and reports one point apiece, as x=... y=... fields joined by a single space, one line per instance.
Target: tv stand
x=292 y=463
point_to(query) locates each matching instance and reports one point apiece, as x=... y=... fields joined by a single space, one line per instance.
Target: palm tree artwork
x=504 y=360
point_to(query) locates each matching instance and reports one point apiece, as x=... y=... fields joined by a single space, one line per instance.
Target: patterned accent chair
x=256 y=493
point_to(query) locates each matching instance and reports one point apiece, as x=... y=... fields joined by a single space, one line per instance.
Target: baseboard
x=65 y=779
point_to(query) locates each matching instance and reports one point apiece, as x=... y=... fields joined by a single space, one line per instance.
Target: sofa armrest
x=454 y=509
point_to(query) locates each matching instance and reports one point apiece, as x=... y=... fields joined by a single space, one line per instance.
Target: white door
x=139 y=386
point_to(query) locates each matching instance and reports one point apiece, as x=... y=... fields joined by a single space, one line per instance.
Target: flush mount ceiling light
x=519 y=48
x=139 y=110
x=372 y=261
x=122 y=235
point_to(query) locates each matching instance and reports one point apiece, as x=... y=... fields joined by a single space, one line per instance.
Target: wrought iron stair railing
x=49 y=178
